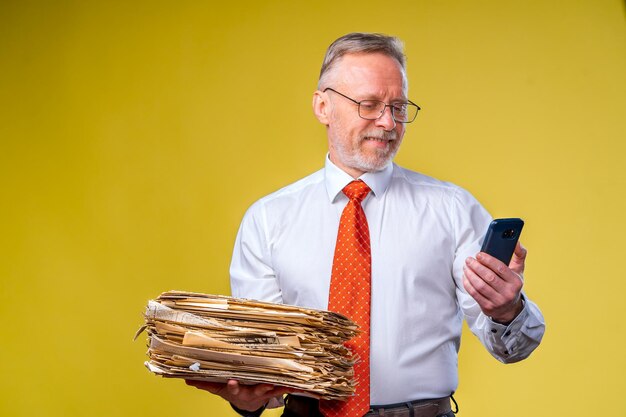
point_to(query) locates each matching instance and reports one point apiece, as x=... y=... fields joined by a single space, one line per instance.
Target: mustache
x=381 y=135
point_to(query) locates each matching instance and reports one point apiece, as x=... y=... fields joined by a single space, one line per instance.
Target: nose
x=386 y=120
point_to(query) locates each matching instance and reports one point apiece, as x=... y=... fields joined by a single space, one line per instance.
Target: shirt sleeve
x=507 y=343
x=251 y=273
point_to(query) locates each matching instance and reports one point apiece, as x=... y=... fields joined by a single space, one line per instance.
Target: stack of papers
x=216 y=338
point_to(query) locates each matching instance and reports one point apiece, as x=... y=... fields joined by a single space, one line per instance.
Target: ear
x=321 y=107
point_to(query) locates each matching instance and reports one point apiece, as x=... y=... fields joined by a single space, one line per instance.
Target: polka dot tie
x=350 y=290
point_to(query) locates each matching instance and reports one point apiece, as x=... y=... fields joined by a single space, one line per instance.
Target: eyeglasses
x=374 y=109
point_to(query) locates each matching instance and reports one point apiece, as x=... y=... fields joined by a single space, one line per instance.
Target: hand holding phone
x=501 y=238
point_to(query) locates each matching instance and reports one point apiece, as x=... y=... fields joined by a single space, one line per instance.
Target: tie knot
x=356 y=190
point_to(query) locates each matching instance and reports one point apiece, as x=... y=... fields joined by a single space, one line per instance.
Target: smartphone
x=501 y=238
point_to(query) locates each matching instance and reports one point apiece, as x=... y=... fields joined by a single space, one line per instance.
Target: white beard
x=351 y=155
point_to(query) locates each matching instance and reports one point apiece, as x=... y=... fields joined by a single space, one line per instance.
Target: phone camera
x=508 y=234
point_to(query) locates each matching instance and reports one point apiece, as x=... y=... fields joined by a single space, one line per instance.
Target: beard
x=353 y=154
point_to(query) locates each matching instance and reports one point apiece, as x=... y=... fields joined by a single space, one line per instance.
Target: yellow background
x=133 y=136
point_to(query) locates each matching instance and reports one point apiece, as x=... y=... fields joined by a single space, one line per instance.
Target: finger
x=212 y=387
x=483 y=282
x=483 y=272
x=490 y=267
x=488 y=299
x=485 y=303
x=279 y=392
x=520 y=250
x=495 y=289
x=501 y=278
x=263 y=389
x=233 y=387
x=519 y=259
x=467 y=284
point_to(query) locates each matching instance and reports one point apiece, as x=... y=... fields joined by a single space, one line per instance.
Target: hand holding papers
x=217 y=338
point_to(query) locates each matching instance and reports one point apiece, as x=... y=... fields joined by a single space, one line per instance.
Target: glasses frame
x=382 y=113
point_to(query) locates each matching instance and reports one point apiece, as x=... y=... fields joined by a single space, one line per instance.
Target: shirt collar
x=336 y=179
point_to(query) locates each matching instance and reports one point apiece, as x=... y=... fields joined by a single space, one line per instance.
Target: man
x=423 y=270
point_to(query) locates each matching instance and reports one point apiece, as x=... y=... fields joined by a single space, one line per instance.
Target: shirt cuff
x=244 y=413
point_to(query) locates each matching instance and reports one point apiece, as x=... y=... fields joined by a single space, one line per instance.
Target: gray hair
x=355 y=43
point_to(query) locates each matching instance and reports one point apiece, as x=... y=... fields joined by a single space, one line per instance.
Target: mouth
x=378 y=144
x=380 y=136
x=381 y=140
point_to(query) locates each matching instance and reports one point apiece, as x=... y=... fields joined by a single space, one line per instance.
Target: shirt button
x=494 y=330
x=506 y=352
x=508 y=333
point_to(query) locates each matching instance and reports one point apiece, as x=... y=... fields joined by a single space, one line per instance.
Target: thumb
x=519 y=259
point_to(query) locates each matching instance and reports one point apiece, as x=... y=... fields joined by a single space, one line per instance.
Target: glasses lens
x=404 y=112
x=371 y=109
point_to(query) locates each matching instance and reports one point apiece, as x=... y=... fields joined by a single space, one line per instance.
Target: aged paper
x=216 y=338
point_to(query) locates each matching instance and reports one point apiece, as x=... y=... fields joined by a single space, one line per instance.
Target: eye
x=369 y=105
x=400 y=108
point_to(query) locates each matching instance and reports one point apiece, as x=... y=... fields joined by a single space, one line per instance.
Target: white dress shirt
x=421 y=232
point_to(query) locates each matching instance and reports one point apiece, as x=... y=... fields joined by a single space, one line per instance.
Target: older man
x=393 y=249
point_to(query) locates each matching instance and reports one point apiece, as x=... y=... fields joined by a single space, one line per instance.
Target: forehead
x=374 y=74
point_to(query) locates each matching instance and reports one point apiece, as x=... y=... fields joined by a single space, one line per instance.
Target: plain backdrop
x=134 y=135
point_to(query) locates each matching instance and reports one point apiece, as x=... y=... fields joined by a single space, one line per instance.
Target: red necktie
x=350 y=293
